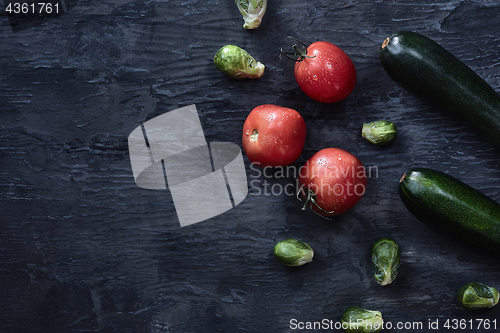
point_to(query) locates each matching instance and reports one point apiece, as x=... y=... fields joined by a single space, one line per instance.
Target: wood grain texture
x=83 y=249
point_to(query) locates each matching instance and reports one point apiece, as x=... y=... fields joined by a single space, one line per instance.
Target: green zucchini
x=456 y=208
x=425 y=68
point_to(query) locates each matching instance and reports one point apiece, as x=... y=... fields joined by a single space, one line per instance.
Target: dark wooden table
x=84 y=249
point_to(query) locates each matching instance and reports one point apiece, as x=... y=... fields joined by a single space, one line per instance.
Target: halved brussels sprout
x=380 y=132
x=359 y=320
x=293 y=252
x=386 y=258
x=237 y=63
x=252 y=11
x=477 y=295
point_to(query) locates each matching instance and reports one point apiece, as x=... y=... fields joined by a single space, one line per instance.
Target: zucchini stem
x=401 y=180
x=386 y=41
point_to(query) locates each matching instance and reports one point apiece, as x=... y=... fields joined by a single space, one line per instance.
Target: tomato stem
x=255 y=135
x=308 y=197
x=310 y=200
x=297 y=54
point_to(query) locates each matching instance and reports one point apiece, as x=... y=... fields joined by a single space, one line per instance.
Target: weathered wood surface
x=83 y=249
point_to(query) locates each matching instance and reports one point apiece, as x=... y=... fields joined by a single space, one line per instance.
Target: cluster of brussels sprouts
x=386 y=259
x=386 y=254
x=234 y=61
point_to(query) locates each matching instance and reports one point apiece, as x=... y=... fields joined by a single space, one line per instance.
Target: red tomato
x=333 y=180
x=273 y=135
x=327 y=75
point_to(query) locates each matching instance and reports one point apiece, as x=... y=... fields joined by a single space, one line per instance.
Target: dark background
x=84 y=249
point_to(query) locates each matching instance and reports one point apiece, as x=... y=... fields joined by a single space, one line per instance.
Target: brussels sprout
x=293 y=252
x=358 y=320
x=237 y=63
x=252 y=11
x=386 y=258
x=476 y=295
x=380 y=132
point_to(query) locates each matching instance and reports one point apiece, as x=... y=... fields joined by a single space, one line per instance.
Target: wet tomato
x=333 y=181
x=273 y=135
x=325 y=74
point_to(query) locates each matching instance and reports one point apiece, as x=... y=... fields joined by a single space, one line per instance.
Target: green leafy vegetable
x=252 y=11
x=359 y=320
x=237 y=63
x=380 y=132
x=476 y=295
x=293 y=252
x=386 y=258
